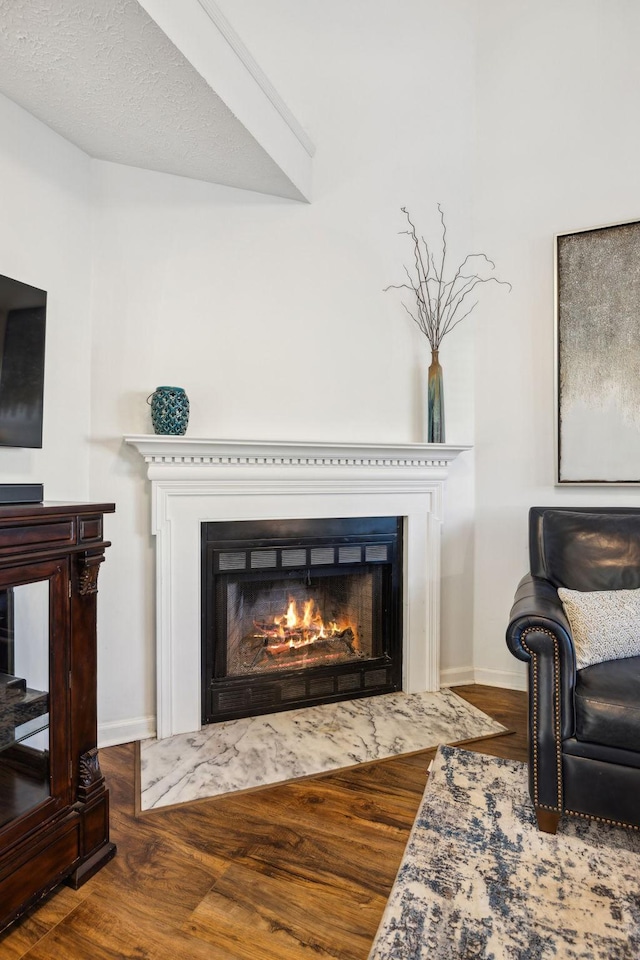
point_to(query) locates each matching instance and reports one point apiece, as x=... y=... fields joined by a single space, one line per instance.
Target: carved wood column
x=83 y=671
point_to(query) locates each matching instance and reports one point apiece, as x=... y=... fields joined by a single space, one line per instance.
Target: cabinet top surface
x=51 y=508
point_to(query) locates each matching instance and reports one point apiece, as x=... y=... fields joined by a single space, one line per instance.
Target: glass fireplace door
x=299 y=612
x=299 y=623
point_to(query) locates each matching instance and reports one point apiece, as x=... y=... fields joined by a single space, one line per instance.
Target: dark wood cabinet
x=54 y=805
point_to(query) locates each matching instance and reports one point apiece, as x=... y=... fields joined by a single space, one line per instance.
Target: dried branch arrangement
x=440 y=304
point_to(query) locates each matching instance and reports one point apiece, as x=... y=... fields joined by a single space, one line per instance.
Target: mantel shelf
x=171 y=449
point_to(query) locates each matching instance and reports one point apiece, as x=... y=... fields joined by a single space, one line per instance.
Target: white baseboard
x=456 y=676
x=511 y=680
x=125 y=731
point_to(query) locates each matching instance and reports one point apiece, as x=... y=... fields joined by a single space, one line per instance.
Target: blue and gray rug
x=478 y=881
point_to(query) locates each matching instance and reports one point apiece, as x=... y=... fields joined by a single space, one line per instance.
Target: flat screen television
x=22 y=336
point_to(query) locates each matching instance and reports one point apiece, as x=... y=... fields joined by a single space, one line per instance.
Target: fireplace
x=299 y=612
x=196 y=480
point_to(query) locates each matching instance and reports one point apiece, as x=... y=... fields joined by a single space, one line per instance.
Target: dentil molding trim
x=202 y=451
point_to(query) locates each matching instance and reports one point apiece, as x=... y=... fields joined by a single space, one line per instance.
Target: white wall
x=520 y=122
x=271 y=313
x=386 y=91
x=45 y=241
x=558 y=145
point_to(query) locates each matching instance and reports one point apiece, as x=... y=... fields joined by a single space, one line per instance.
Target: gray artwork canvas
x=598 y=355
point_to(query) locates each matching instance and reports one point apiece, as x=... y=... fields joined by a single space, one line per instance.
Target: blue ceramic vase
x=169 y=411
x=435 y=422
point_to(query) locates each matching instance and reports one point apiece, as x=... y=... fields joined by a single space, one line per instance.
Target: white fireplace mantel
x=194 y=481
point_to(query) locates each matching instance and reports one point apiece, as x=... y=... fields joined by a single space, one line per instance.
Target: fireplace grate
x=325 y=556
x=293 y=558
x=247 y=700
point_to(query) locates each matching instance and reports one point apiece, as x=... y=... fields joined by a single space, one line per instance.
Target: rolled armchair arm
x=537 y=606
x=539 y=633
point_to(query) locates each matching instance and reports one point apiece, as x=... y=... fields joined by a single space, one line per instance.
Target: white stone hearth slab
x=254 y=752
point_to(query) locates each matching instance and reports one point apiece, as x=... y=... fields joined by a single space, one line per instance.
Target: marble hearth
x=194 y=481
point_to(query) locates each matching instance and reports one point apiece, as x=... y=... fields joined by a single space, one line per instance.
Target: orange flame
x=299 y=630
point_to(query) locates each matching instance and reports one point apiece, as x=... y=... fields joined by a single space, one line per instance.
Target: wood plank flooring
x=300 y=870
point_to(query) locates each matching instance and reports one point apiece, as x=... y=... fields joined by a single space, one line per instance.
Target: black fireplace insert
x=299 y=612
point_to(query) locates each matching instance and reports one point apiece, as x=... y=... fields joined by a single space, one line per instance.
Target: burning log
x=304 y=638
x=301 y=637
x=297 y=629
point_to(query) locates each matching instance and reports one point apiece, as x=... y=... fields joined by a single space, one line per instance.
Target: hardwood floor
x=300 y=870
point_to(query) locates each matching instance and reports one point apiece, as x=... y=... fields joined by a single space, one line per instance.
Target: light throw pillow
x=605 y=624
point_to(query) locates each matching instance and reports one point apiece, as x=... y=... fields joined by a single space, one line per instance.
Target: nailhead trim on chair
x=612 y=823
x=557 y=724
x=558 y=738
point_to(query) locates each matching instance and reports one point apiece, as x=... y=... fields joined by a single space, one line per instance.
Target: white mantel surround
x=197 y=480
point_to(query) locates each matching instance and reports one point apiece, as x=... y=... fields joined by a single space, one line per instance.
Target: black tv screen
x=22 y=335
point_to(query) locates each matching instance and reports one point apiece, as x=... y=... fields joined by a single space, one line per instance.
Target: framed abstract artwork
x=598 y=355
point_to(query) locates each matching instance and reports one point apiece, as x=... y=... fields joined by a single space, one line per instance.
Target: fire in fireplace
x=299 y=612
x=295 y=639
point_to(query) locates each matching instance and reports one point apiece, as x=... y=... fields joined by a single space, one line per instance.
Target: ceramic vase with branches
x=438 y=306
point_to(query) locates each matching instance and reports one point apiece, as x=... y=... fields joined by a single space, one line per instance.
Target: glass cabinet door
x=25 y=767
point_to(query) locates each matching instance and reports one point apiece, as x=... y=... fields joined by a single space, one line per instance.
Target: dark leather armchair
x=584 y=725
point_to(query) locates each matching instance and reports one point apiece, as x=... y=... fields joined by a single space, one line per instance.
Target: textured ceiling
x=103 y=74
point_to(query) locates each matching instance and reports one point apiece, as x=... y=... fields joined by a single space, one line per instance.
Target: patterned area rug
x=479 y=882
